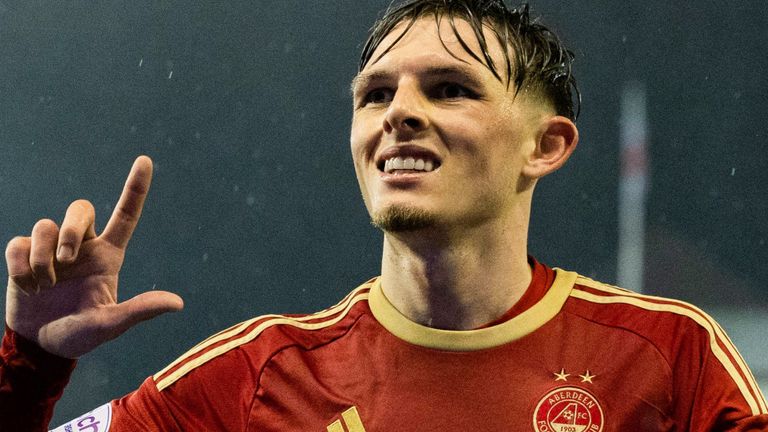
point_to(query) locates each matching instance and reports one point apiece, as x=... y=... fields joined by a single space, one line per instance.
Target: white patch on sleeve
x=97 y=420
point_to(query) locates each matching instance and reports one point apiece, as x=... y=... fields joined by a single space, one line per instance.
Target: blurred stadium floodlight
x=632 y=187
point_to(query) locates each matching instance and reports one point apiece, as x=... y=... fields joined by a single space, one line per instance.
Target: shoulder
x=696 y=347
x=248 y=345
x=685 y=335
x=659 y=319
x=593 y=294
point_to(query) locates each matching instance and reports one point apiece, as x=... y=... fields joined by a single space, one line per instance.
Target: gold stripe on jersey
x=723 y=337
x=352 y=419
x=342 y=309
x=756 y=404
x=470 y=340
x=335 y=427
x=240 y=327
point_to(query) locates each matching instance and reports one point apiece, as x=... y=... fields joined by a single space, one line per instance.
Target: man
x=459 y=108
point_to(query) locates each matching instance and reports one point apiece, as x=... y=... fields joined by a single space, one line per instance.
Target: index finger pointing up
x=128 y=210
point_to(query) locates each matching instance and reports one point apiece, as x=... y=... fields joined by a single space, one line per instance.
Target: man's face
x=438 y=141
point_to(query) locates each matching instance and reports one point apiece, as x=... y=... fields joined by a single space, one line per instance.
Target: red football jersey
x=585 y=357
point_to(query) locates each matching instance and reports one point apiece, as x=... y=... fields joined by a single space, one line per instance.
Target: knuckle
x=126 y=216
x=18 y=242
x=137 y=188
x=17 y=248
x=23 y=281
x=44 y=226
x=68 y=234
x=40 y=266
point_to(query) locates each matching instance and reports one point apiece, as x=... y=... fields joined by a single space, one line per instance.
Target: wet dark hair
x=540 y=62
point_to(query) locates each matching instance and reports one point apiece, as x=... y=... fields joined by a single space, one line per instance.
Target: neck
x=456 y=282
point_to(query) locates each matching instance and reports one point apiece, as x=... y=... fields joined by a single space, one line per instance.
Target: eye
x=452 y=91
x=378 y=96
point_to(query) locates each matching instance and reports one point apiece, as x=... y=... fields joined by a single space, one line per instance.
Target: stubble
x=403 y=219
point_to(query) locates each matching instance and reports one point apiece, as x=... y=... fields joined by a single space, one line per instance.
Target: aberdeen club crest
x=568 y=409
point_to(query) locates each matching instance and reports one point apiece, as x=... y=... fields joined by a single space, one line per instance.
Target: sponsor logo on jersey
x=568 y=409
x=97 y=420
x=349 y=418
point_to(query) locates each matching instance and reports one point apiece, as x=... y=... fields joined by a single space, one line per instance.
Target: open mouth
x=407 y=164
x=407 y=159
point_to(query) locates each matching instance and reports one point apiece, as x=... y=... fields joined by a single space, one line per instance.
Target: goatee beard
x=403 y=219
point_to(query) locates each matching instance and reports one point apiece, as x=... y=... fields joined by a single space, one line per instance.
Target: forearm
x=31 y=381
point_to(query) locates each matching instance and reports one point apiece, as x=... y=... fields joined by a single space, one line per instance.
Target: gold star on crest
x=587 y=377
x=562 y=376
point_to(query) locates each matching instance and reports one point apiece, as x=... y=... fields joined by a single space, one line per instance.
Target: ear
x=556 y=142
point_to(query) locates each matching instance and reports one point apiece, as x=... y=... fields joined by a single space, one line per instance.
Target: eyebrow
x=463 y=74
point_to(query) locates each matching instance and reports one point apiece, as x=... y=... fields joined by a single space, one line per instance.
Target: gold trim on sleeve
x=162 y=380
x=756 y=403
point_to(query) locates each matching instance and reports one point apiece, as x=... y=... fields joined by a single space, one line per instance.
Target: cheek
x=359 y=162
x=356 y=145
x=501 y=155
x=358 y=148
x=363 y=140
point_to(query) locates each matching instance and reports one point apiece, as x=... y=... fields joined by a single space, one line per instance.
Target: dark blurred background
x=244 y=107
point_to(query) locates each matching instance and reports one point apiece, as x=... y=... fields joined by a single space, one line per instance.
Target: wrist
x=25 y=355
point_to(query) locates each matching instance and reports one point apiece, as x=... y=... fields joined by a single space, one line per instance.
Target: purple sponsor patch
x=97 y=420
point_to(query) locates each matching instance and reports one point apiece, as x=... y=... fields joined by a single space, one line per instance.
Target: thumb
x=75 y=335
x=144 y=307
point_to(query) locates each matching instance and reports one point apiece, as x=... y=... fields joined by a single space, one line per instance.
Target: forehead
x=429 y=40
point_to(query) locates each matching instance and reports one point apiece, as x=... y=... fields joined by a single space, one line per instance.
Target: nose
x=407 y=112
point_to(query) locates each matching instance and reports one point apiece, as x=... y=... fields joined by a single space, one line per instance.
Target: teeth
x=397 y=163
x=409 y=163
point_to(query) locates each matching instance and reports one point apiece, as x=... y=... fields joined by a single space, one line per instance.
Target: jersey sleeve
x=141 y=410
x=31 y=382
x=724 y=395
x=211 y=394
x=727 y=398
x=206 y=399
x=711 y=386
x=213 y=397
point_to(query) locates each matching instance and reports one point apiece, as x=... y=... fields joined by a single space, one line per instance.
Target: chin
x=403 y=219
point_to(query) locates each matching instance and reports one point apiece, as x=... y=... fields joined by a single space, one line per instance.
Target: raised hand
x=62 y=285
